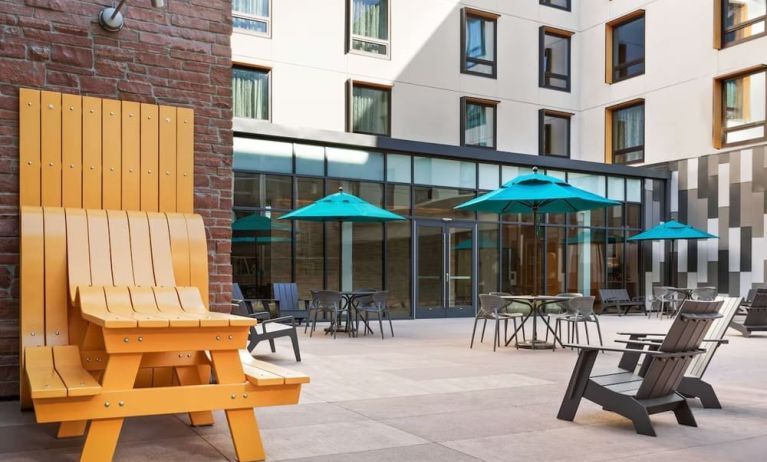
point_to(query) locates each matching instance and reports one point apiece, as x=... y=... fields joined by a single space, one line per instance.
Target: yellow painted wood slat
x=118 y=300
x=69 y=368
x=120 y=248
x=32 y=318
x=98 y=243
x=149 y=160
x=123 y=300
x=93 y=307
x=92 y=152
x=179 y=248
x=72 y=151
x=131 y=157
x=56 y=327
x=43 y=380
x=29 y=147
x=111 y=146
x=144 y=301
x=198 y=255
x=161 y=256
x=78 y=258
x=50 y=148
x=141 y=251
x=290 y=376
x=167 y=159
x=185 y=161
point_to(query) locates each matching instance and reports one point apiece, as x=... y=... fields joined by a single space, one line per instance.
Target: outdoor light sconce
x=112 y=20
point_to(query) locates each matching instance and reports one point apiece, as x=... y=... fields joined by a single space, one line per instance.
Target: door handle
x=447 y=275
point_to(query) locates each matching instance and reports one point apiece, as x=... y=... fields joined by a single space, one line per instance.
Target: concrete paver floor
x=425 y=396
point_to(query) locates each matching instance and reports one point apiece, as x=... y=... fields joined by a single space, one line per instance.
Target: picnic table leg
x=246 y=437
x=196 y=375
x=72 y=429
x=120 y=374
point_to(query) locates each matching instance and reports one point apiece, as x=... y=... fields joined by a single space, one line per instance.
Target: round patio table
x=536 y=304
x=347 y=301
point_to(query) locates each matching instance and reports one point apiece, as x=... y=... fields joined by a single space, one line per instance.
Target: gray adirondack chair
x=619 y=300
x=755 y=319
x=692 y=384
x=636 y=396
x=270 y=328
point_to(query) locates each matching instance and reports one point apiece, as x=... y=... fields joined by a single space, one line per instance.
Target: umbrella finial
x=340 y=189
x=535 y=170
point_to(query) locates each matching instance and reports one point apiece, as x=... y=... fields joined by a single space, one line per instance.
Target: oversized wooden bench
x=114 y=318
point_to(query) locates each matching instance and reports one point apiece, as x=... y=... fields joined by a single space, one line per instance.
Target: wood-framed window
x=478 y=122
x=740 y=103
x=561 y=4
x=479 y=39
x=251 y=92
x=252 y=17
x=369 y=108
x=554 y=133
x=625 y=47
x=369 y=27
x=737 y=21
x=554 y=60
x=624 y=132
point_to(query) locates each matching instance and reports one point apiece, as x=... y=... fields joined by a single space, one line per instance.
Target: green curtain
x=370 y=18
x=251 y=7
x=250 y=93
x=370 y=107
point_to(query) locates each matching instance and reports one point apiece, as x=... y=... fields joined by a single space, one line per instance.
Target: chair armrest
x=654 y=343
x=635 y=351
x=639 y=298
x=281 y=320
x=641 y=334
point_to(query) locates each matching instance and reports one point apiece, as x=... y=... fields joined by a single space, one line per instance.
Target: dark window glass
x=439 y=202
x=631 y=266
x=398 y=198
x=628 y=49
x=310 y=258
x=257 y=190
x=743 y=107
x=615 y=216
x=488 y=254
x=370 y=110
x=561 y=4
x=517 y=250
x=555 y=60
x=633 y=215
x=478 y=47
x=615 y=266
x=554 y=134
x=743 y=19
x=398 y=268
x=555 y=260
x=251 y=16
x=628 y=134
x=479 y=124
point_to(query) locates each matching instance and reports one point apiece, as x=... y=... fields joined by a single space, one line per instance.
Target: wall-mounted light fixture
x=112 y=20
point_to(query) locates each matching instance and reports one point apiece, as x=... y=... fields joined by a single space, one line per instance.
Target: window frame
x=720 y=131
x=485 y=103
x=466 y=12
x=610 y=27
x=256 y=68
x=609 y=117
x=543 y=76
x=548 y=3
x=720 y=31
x=266 y=20
x=351 y=36
x=350 y=84
x=542 y=114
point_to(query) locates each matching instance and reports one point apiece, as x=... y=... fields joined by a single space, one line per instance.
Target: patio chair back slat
x=55 y=245
x=286 y=293
x=717 y=331
x=119 y=242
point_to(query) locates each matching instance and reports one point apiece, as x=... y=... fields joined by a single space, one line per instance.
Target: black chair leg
x=294 y=341
x=473 y=332
x=684 y=415
x=391 y=326
x=380 y=324
x=482 y=337
x=586 y=329
x=496 y=334
x=577 y=385
x=599 y=331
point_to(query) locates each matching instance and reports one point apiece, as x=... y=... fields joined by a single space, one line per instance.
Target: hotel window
x=370 y=109
x=625 y=133
x=369 y=27
x=478 y=122
x=554 y=69
x=554 y=133
x=741 y=101
x=742 y=20
x=561 y=4
x=252 y=16
x=478 y=42
x=625 y=47
x=250 y=93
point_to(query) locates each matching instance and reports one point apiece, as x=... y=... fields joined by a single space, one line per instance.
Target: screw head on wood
x=121 y=403
x=126 y=340
x=234 y=396
x=106 y=403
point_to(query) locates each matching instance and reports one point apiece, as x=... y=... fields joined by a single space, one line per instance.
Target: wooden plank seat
x=56 y=372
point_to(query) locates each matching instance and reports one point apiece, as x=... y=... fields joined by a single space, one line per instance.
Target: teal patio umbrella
x=536 y=193
x=672 y=231
x=257 y=222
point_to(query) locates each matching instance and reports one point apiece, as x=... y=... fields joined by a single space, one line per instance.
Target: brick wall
x=178 y=55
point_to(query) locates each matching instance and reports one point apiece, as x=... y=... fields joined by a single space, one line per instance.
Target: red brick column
x=178 y=55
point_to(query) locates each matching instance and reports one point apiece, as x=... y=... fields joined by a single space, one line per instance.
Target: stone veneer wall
x=724 y=194
x=178 y=55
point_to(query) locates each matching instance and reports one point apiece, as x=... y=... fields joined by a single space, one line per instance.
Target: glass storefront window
x=398 y=198
x=310 y=258
x=398 y=168
x=633 y=215
x=517 y=247
x=615 y=189
x=488 y=253
x=509 y=172
x=443 y=172
x=257 y=190
x=488 y=177
x=370 y=192
x=585 y=260
x=633 y=190
x=310 y=159
x=262 y=155
x=615 y=216
x=555 y=261
x=308 y=190
x=439 y=202
x=352 y=163
x=615 y=266
x=398 y=272
x=631 y=266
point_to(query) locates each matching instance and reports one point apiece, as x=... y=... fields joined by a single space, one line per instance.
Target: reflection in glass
x=430 y=264
x=555 y=61
x=308 y=191
x=479 y=48
x=445 y=172
x=744 y=107
x=743 y=19
x=631 y=266
x=398 y=198
x=585 y=260
x=354 y=163
x=479 y=125
x=440 y=202
x=262 y=155
x=310 y=252
x=398 y=268
x=370 y=25
x=517 y=247
x=459 y=290
x=555 y=135
x=615 y=267
x=628 y=49
x=398 y=168
x=555 y=260
x=260 y=191
x=488 y=257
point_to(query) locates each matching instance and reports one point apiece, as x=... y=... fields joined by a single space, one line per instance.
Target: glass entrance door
x=445 y=266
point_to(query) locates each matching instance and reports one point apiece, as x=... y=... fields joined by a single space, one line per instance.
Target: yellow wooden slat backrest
x=71 y=151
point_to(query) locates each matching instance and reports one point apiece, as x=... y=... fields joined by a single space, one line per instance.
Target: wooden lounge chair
x=114 y=317
x=692 y=384
x=619 y=300
x=287 y=302
x=755 y=318
x=636 y=396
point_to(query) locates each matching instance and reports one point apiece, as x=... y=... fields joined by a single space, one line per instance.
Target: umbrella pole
x=535 y=250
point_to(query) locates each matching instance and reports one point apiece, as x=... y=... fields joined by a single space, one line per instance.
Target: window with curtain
x=743 y=108
x=628 y=134
x=479 y=43
x=743 y=20
x=554 y=132
x=478 y=123
x=369 y=25
x=370 y=109
x=561 y=4
x=554 y=69
x=628 y=50
x=253 y=16
x=250 y=93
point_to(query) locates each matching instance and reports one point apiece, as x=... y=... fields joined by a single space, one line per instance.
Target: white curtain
x=479 y=125
x=370 y=18
x=629 y=127
x=251 y=7
x=250 y=93
x=370 y=107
